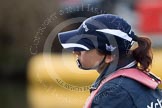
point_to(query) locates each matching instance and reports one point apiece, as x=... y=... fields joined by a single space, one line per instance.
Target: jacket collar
x=108 y=70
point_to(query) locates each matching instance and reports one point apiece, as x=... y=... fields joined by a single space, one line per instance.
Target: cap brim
x=71 y=40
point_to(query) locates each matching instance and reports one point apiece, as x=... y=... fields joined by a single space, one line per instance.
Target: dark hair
x=143 y=53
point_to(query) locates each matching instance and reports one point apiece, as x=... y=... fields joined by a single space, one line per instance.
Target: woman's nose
x=76 y=52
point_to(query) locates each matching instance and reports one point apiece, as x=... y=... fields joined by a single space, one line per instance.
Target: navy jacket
x=124 y=92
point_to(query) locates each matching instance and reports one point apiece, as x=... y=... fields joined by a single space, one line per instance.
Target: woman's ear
x=109 y=58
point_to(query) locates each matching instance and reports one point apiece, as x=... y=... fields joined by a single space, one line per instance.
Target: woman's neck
x=102 y=68
x=121 y=63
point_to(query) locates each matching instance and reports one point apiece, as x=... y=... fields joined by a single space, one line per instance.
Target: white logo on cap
x=85 y=27
x=110 y=48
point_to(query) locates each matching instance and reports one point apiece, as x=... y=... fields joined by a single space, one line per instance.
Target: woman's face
x=90 y=58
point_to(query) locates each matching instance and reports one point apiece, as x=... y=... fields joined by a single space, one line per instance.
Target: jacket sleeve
x=112 y=96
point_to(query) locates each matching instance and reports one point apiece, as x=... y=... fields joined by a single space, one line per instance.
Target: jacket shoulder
x=140 y=95
x=112 y=95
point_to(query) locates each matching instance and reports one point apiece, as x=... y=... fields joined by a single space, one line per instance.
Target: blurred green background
x=34 y=70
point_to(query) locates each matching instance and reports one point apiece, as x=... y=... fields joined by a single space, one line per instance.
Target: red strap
x=130 y=73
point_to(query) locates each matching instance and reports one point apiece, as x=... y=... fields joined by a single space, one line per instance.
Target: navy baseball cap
x=105 y=32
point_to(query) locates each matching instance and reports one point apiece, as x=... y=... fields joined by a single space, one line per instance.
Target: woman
x=105 y=43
